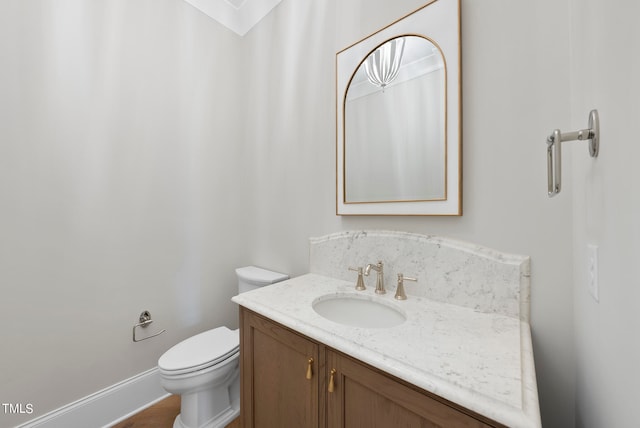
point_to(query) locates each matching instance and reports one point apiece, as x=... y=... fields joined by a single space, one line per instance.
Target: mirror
x=394 y=124
x=398 y=122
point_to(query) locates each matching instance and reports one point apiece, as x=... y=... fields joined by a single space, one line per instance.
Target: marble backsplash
x=447 y=270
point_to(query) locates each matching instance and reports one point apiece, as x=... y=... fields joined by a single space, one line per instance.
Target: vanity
x=321 y=350
x=316 y=352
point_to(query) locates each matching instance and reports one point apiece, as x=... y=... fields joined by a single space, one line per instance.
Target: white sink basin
x=359 y=311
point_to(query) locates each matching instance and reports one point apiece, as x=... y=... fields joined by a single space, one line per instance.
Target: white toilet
x=204 y=369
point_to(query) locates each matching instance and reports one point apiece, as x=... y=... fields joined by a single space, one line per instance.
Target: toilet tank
x=252 y=277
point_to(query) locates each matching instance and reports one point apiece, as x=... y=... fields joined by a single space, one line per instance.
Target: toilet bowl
x=205 y=369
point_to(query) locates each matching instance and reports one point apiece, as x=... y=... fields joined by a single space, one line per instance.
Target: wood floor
x=160 y=415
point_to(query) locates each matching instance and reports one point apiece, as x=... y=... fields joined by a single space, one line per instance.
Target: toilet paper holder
x=143 y=321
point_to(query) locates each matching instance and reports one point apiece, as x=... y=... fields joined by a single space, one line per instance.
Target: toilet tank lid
x=256 y=275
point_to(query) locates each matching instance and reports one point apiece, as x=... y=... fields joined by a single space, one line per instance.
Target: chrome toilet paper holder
x=144 y=321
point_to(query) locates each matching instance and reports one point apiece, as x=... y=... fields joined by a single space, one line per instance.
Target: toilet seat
x=200 y=352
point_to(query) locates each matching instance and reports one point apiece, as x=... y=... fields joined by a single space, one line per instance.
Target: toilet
x=205 y=369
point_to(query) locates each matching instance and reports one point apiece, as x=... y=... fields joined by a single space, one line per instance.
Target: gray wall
x=119 y=138
x=604 y=71
x=145 y=152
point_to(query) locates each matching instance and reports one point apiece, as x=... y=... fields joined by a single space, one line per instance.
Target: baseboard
x=106 y=407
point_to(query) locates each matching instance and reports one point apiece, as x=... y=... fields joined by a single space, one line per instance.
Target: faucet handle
x=400 y=294
x=360 y=282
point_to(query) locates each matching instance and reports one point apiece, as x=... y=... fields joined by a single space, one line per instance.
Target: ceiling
x=237 y=15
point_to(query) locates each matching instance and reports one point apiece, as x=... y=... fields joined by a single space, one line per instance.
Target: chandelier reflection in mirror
x=383 y=64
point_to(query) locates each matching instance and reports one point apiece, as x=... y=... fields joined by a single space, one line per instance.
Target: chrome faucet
x=379 y=279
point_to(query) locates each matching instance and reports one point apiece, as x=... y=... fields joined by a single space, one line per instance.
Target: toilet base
x=220 y=421
x=207 y=406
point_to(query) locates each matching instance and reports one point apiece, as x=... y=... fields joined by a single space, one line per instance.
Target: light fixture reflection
x=383 y=64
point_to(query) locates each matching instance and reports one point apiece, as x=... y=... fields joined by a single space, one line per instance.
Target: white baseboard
x=106 y=407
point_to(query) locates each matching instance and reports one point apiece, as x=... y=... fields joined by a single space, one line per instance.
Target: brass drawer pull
x=310 y=368
x=331 y=381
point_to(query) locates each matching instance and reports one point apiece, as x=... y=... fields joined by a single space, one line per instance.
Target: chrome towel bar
x=554 y=151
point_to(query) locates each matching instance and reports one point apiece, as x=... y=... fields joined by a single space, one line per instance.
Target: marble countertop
x=481 y=361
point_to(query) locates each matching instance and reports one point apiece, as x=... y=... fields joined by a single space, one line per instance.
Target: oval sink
x=358 y=311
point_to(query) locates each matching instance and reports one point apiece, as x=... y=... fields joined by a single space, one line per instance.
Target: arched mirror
x=398 y=95
x=394 y=124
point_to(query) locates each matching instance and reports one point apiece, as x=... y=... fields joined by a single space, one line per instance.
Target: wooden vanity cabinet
x=279 y=375
x=342 y=391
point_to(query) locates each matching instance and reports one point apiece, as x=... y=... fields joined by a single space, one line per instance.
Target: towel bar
x=554 y=151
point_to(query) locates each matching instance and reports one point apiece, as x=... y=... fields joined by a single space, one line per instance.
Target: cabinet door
x=275 y=371
x=364 y=397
